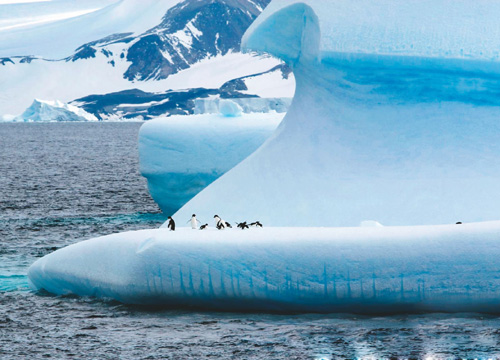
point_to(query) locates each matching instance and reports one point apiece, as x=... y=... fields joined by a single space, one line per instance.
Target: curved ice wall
x=395 y=117
x=181 y=155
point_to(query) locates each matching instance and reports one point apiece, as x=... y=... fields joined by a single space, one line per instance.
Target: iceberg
x=50 y=111
x=394 y=118
x=7 y=118
x=181 y=155
x=230 y=108
x=363 y=270
x=394 y=122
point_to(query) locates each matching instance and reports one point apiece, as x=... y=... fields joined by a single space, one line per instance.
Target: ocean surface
x=61 y=183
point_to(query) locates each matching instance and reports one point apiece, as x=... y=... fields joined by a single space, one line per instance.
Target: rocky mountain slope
x=195 y=46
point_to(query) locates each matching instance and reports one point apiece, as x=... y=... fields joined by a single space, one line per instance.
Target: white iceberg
x=51 y=111
x=7 y=118
x=395 y=117
x=366 y=270
x=181 y=155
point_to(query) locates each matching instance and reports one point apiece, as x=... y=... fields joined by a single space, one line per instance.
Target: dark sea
x=61 y=183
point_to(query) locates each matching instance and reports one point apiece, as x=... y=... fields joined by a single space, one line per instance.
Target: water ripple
x=62 y=183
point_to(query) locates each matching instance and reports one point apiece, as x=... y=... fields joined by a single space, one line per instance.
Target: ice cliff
x=394 y=119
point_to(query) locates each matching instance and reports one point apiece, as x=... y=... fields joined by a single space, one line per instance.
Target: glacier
x=42 y=28
x=394 y=118
x=363 y=270
x=181 y=155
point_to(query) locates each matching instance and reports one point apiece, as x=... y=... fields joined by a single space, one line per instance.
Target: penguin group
x=219 y=224
x=243 y=225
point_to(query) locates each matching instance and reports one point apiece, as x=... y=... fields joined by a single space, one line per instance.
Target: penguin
x=459 y=223
x=256 y=224
x=203 y=227
x=219 y=223
x=243 y=225
x=171 y=224
x=194 y=222
x=228 y=225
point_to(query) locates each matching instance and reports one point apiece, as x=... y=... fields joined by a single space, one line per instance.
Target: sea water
x=61 y=183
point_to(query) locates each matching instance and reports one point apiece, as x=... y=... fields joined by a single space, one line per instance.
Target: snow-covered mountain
x=54 y=29
x=138 y=104
x=195 y=45
x=191 y=31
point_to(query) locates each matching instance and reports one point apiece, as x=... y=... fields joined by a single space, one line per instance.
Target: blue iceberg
x=394 y=119
x=394 y=122
x=365 y=269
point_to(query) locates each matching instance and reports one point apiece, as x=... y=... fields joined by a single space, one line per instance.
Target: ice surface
x=394 y=119
x=181 y=155
x=48 y=111
x=429 y=268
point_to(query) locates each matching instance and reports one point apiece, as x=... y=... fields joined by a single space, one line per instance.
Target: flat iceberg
x=394 y=119
x=181 y=155
x=367 y=270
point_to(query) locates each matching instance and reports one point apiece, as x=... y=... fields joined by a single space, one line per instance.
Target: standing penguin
x=171 y=224
x=194 y=222
x=219 y=223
